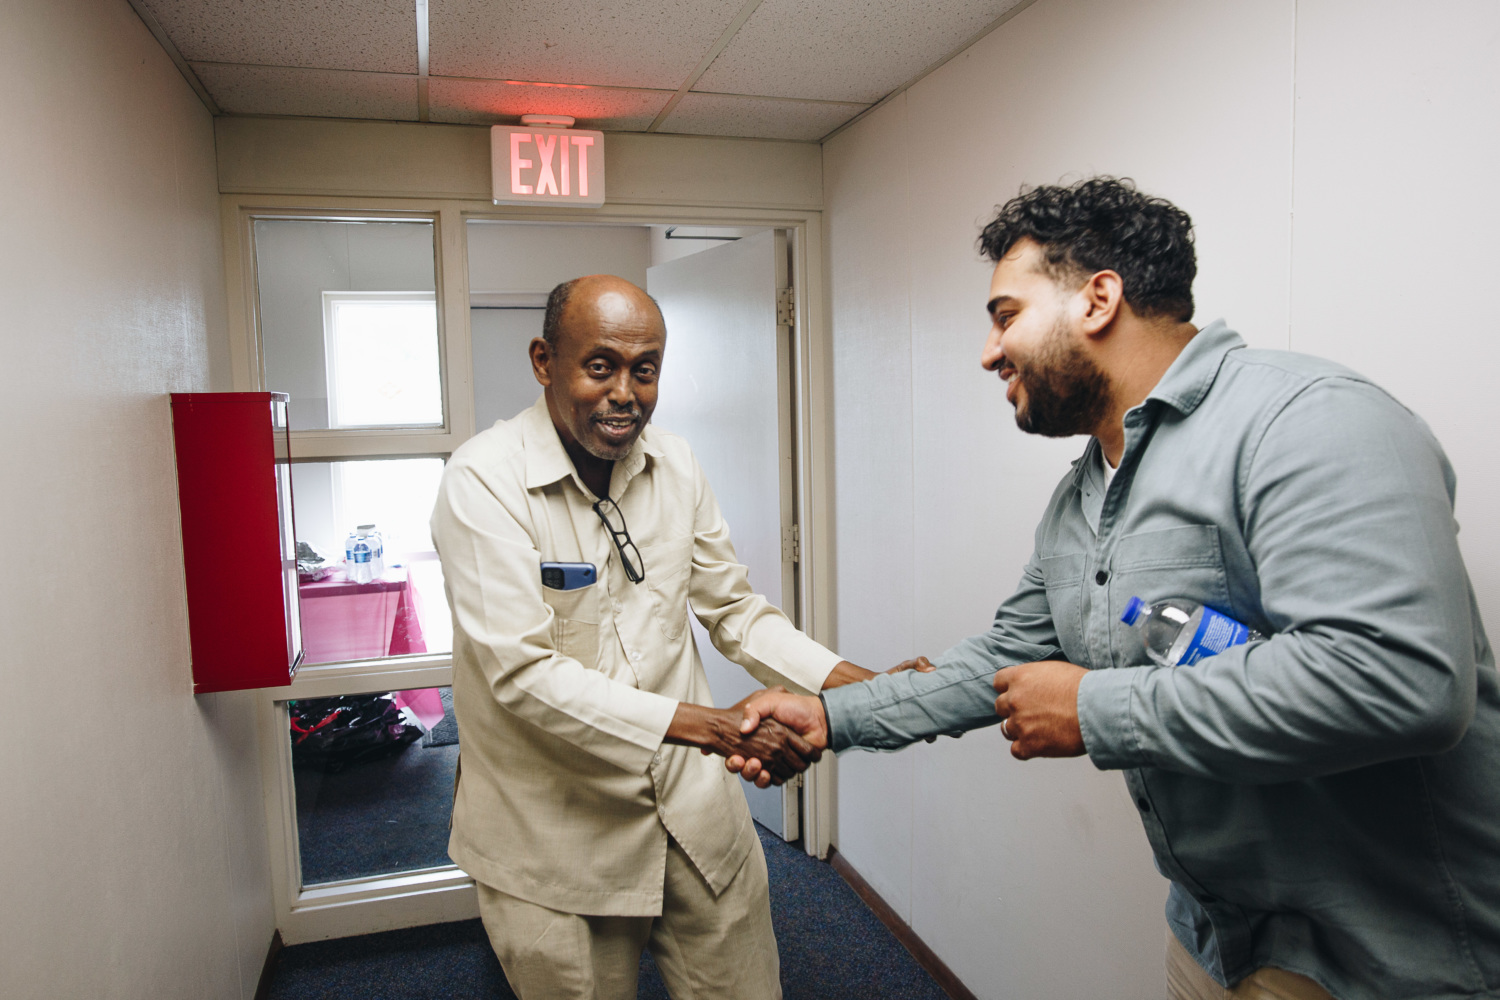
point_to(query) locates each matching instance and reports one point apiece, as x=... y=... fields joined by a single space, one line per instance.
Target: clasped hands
x=1037 y=704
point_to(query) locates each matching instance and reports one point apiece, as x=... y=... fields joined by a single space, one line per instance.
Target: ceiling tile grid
x=653 y=44
x=492 y=102
x=792 y=70
x=375 y=35
x=279 y=90
x=844 y=50
x=757 y=117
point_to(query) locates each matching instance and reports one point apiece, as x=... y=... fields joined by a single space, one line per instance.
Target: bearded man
x=1325 y=800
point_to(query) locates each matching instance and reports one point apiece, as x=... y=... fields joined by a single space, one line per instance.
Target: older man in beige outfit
x=584 y=809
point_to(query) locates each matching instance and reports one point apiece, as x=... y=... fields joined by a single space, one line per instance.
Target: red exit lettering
x=555 y=156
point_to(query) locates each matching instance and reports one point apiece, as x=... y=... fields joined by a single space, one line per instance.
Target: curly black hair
x=1099 y=224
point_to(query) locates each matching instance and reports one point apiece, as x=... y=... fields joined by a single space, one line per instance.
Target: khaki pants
x=706 y=948
x=1186 y=980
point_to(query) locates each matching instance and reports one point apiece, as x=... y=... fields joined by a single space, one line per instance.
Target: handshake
x=772 y=735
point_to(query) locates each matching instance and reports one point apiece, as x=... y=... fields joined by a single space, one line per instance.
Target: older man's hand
x=775 y=706
x=1038 y=707
x=803 y=713
x=719 y=730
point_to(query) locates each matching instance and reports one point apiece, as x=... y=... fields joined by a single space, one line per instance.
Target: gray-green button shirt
x=1326 y=800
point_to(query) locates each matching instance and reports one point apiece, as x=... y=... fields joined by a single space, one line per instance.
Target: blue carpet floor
x=832 y=948
x=381 y=816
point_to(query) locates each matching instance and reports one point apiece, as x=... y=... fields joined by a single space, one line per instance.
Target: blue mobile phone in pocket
x=568 y=576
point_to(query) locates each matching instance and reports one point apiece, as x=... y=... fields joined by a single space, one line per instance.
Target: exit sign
x=554 y=166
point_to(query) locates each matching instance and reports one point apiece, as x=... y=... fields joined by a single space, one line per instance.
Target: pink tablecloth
x=360 y=621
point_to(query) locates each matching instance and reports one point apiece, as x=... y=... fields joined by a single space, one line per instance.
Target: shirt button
x=1144 y=803
x=1101 y=577
x=619 y=607
x=635 y=656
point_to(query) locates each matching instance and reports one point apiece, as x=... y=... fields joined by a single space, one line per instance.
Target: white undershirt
x=1109 y=470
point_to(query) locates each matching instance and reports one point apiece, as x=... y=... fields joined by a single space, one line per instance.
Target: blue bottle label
x=1216 y=633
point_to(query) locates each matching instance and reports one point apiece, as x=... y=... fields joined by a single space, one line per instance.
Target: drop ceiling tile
x=275 y=90
x=757 y=117
x=843 y=50
x=654 y=44
x=495 y=102
x=375 y=35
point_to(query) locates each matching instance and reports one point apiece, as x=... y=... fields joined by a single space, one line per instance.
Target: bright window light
x=382 y=353
x=396 y=495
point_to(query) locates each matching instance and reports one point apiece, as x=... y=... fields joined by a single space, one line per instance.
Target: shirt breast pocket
x=669 y=567
x=1185 y=561
x=1063 y=577
x=575 y=622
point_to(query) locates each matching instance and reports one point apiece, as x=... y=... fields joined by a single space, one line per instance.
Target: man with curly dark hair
x=1324 y=799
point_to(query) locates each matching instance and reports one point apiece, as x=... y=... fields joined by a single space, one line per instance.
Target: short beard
x=618 y=452
x=1065 y=392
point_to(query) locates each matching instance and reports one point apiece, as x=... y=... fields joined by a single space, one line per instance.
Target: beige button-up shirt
x=566 y=794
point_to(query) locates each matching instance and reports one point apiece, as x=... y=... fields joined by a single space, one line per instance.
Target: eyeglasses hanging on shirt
x=630 y=556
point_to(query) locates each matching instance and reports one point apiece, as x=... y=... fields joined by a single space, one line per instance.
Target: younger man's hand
x=803 y=714
x=1038 y=707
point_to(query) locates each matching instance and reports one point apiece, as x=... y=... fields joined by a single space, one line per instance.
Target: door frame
x=368 y=905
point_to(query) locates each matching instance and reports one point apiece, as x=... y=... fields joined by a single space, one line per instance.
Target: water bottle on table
x=364 y=555
x=1179 y=633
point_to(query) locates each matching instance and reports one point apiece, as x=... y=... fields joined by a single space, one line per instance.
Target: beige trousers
x=1186 y=980
x=707 y=948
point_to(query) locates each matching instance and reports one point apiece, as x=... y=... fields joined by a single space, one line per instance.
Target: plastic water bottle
x=1179 y=632
x=377 y=550
x=363 y=555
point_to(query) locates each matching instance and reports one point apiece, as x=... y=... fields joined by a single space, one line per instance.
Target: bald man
x=584 y=810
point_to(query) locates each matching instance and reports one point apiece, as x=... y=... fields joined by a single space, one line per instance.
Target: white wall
x=1369 y=125
x=131 y=833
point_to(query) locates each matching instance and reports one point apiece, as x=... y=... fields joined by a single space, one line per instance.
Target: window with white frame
x=350 y=328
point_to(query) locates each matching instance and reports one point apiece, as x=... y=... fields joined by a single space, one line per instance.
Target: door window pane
x=374 y=782
x=384 y=351
x=503 y=382
x=392 y=603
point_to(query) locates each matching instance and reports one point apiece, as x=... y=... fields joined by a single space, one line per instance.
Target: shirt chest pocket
x=1063 y=577
x=669 y=567
x=575 y=622
x=1185 y=561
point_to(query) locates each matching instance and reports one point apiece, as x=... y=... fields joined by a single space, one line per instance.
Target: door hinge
x=791 y=544
x=786 y=307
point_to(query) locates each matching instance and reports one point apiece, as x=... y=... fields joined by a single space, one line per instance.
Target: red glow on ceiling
x=564 y=86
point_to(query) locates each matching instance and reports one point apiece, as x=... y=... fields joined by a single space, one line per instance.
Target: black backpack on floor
x=332 y=733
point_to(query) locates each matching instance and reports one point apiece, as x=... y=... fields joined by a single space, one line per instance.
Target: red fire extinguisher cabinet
x=239 y=546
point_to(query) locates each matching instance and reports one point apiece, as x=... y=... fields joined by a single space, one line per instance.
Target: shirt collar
x=547 y=460
x=1192 y=374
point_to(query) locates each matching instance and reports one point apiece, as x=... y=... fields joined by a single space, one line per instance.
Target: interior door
x=726 y=388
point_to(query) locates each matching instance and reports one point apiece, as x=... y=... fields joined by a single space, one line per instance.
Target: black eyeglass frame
x=632 y=573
